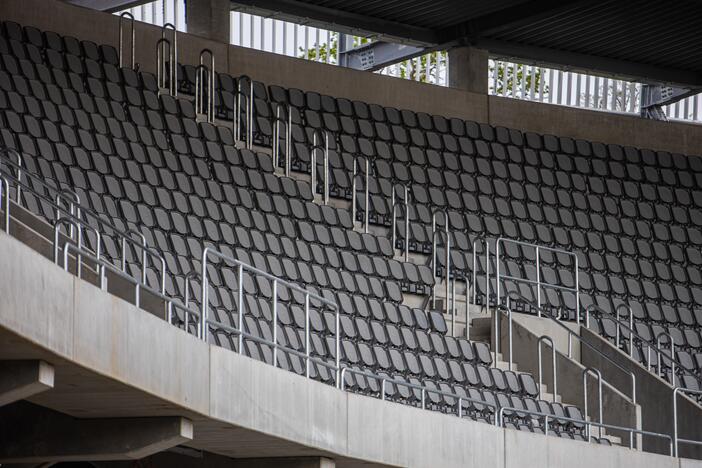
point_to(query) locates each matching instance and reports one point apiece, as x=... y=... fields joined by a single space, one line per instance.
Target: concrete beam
x=33 y=434
x=209 y=19
x=468 y=69
x=22 y=379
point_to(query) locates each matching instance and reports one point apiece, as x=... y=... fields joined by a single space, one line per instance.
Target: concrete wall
x=328 y=79
x=618 y=409
x=655 y=397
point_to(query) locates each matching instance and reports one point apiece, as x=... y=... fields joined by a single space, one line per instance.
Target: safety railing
x=544 y=339
x=586 y=372
x=499 y=310
x=18 y=168
x=677 y=440
x=5 y=198
x=586 y=424
x=205 y=98
x=249 y=103
x=395 y=204
x=366 y=191
x=243 y=268
x=275 y=144
x=126 y=16
x=102 y=267
x=59 y=211
x=76 y=223
x=164 y=71
x=424 y=391
x=538 y=283
x=484 y=241
x=435 y=261
x=172 y=57
x=617 y=312
x=572 y=334
x=454 y=309
x=591 y=309
x=321 y=144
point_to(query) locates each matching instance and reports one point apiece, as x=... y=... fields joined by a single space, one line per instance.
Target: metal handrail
x=103 y=266
x=249 y=112
x=676 y=440
x=200 y=94
x=572 y=334
x=4 y=186
x=547 y=339
x=324 y=147
x=454 y=309
x=104 y=223
x=366 y=196
x=587 y=424
x=173 y=57
x=71 y=206
x=592 y=307
x=122 y=17
x=18 y=168
x=618 y=332
x=539 y=284
x=486 y=243
x=423 y=390
x=660 y=356
x=241 y=267
x=598 y=374
x=191 y=275
x=395 y=204
x=163 y=48
x=76 y=223
x=275 y=149
x=434 y=261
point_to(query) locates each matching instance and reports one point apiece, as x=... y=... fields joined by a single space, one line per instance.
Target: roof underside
x=655 y=41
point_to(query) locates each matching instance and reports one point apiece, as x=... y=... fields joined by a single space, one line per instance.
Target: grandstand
x=212 y=255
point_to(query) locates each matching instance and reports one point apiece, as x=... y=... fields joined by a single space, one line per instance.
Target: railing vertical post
x=497 y=297
x=546 y=339
x=407 y=230
x=288 y=142
x=121 y=37
x=325 y=190
x=467 y=331
x=354 y=203
x=367 y=197
x=675 y=421
x=338 y=346
x=275 y=323
x=453 y=307
x=307 y=335
x=313 y=164
x=538 y=282
x=577 y=292
x=6 y=188
x=241 y=308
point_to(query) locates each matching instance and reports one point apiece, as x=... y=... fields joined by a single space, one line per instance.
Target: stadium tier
x=295 y=205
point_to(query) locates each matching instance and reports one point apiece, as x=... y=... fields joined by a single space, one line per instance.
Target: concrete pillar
x=209 y=19
x=468 y=69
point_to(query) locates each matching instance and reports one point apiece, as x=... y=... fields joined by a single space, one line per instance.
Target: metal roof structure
x=646 y=40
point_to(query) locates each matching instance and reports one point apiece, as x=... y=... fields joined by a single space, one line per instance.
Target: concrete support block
x=22 y=379
x=292 y=462
x=33 y=434
x=209 y=19
x=468 y=69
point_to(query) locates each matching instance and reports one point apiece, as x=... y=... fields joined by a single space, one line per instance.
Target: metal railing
x=632 y=333
x=544 y=339
x=424 y=391
x=173 y=57
x=164 y=71
x=124 y=238
x=435 y=261
x=128 y=16
x=405 y=204
x=588 y=371
x=366 y=192
x=587 y=424
x=275 y=144
x=202 y=110
x=676 y=439
x=241 y=269
x=322 y=146
x=236 y=122
x=572 y=334
x=486 y=243
x=539 y=284
x=454 y=308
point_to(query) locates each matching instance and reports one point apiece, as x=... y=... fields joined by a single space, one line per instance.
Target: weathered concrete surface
x=617 y=407
x=209 y=19
x=369 y=87
x=468 y=69
x=656 y=400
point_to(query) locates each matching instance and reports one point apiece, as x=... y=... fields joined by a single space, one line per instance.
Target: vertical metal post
x=313 y=165
x=577 y=292
x=546 y=339
x=453 y=307
x=367 y=197
x=275 y=323
x=307 y=335
x=241 y=307
x=497 y=297
x=467 y=330
x=6 y=188
x=407 y=216
x=353 y=196
x=597 y=373
x=288 y=141
x=538 y=282
x=173 y=57
x=122 y=17
x=338 y=347
x=325 y=191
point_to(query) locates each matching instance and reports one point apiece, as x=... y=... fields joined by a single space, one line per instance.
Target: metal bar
x=672 y=355
x=597 y=373
x=128 y=16
x=676 y=440
x=173 y=57
x=6 y=187
x=546 y=339
x=275 y=323
x=163 y=46
x=307 y=335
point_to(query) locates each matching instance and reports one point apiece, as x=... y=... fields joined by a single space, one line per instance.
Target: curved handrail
x=545 y=339
x=275 y=149
x=366 y=191
x=324 y=147
x=173 y=55
x=249 y=111
x=4 y=186
x=163 y=48
x=676 y=440
x=434 y=261
x=395 y=204
x=587 y=371
x=200 y=93
x=122 y=17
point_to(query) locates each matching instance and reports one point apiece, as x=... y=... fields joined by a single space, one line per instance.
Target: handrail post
x=366 y=196
x=288 y=142
x=354 y=171
x=4 y=186
x=313 y=165
x=307 y=335
x=275 y=323
x=661 y=355
x=467 y=329
x=546 y=339
x=497 y=296
x=598 y=374
x=453 y=306
x=122 y=17
x=208 y=111
x=538 y=282
x=325 y=190
x=173 y=58
x=338 y=344
x=241 y=308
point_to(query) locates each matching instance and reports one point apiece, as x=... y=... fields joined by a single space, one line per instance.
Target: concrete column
x=468 y=69
x=22 y=379
x=209 y=19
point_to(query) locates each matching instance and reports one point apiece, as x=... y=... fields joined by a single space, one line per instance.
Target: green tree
x=509 y=83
